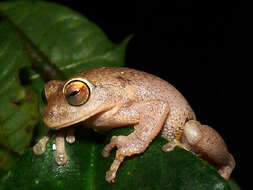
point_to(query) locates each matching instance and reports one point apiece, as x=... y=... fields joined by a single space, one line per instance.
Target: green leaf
x=7 y=161
x=86 y=168
x=71 y=41
x=18 y=110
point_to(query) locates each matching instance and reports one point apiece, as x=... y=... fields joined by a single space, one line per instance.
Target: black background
x=194 y=45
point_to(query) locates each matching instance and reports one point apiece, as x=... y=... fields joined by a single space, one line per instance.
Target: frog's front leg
x=60 y=157
x=40 y=147
x=152 y=116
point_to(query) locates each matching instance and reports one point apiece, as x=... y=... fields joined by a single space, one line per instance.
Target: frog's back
x=151 y=87
x=148 y=87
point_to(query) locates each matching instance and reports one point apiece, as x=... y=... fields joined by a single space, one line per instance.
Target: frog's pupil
x=73 y=93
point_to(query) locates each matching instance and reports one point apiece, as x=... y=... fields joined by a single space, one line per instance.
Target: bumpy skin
x=122 y=97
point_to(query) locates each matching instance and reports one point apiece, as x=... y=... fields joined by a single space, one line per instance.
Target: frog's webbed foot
x=60 y=156
x=126 y=146
x=116 y=141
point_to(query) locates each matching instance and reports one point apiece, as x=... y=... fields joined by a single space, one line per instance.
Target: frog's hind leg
x=152 y=117
x=208 y=143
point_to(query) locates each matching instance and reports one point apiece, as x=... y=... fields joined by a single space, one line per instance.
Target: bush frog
x=109 y=97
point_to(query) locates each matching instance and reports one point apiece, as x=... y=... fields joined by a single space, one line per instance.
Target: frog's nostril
x=43 y=96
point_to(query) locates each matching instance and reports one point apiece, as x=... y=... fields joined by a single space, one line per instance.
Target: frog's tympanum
x=106 y=98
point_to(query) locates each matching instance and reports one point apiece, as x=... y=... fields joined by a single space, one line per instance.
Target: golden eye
x=76 y=92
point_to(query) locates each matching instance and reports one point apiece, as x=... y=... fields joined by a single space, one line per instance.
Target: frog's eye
x=43 y=96
x=76 y=92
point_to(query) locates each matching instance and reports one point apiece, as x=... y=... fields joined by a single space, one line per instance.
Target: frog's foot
x=70 y=138
x=170 y=146
x=40 y=147
x=126 y=146
x=226 y=170
x=60 y=156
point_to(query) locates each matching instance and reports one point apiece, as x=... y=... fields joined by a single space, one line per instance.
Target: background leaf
x=18 y=110
x=7 y=160
x=69 y=40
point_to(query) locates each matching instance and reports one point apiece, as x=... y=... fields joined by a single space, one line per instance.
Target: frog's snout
x=50 y=117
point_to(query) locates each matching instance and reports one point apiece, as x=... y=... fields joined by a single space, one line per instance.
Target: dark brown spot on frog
x=123 y=80
x=187 y=119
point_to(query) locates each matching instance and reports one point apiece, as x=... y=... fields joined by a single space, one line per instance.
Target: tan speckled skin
x=123 y=97
x=128 y=87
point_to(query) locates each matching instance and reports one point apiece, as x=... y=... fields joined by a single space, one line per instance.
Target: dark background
x=197 y=47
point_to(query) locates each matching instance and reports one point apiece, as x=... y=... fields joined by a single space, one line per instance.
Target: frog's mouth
x=67 y=124
x=77 y=120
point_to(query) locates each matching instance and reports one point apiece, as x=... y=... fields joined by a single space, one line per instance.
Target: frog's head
x=74 y=101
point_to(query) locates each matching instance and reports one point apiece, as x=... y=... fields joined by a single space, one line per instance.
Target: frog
x=111 y=97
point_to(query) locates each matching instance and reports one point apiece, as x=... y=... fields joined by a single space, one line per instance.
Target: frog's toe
x=110 y=176
x=70 y=138
x=40 y=147
x=108 y=148
x=105 y=153
x=61 y=156
x=168 y=147
x=225 y=171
